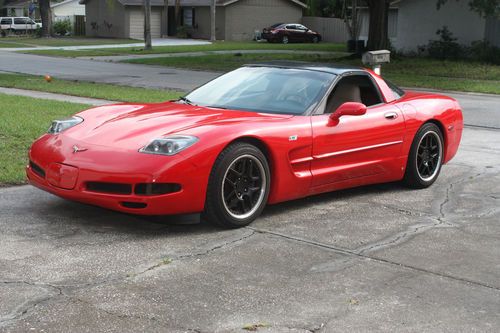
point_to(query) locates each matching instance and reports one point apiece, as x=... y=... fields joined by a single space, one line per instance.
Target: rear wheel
x=238 y=187
x=285 y=40
x=426 y=157
x=315 y=39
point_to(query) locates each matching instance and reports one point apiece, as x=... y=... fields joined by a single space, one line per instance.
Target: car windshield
x=264 y=89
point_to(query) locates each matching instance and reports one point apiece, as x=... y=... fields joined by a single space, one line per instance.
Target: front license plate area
x=62 y=176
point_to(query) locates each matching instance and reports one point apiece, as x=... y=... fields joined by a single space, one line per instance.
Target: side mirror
x=347 y=109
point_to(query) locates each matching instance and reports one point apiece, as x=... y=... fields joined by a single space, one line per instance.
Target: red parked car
x=289 y=33
x=261 y=134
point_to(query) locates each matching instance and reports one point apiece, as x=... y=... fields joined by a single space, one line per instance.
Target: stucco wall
x=202 y=29
x=246 y=16
x=419 y=20
x=109 y=18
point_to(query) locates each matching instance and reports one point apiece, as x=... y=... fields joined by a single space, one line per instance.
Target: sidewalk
x=119 y=58
x=155 y=42
x=55 y=97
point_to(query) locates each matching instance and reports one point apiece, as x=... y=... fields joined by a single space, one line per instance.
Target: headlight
x=170 y=145
x=61 y=125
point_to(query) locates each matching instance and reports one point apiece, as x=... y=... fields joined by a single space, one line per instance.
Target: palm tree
x=147 y=25
x=46 y=16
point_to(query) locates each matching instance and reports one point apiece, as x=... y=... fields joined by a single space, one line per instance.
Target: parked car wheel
x=285 y=40
x=426 y=157
x=238 y=187
x=315 y=39
x=3 y=33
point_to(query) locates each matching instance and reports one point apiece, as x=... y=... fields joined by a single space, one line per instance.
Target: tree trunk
x=147 y=25
x=177 y=13
x=46 y=16
x=213 y=37
x=378 y=38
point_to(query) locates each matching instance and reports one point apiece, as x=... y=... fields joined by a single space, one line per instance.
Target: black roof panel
x=332 y=68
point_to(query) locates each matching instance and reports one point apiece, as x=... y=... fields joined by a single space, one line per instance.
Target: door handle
x=391 y=115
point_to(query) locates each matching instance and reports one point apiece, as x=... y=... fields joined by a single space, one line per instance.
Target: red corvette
x=261 y=134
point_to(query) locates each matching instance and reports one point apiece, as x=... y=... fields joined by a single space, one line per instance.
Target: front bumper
x=68 y=175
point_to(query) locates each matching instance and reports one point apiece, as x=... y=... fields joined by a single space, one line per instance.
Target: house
x=413 y=23
x=235 y=19
x=19 y=8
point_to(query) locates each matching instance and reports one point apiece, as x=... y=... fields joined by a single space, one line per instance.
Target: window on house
x=188 y=17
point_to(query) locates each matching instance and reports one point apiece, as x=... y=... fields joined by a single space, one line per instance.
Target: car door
x=20 y=23
x=358 y=146
x=302 y=33
x=290 y=32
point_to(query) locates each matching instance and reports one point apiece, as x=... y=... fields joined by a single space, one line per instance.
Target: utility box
x=376 y=59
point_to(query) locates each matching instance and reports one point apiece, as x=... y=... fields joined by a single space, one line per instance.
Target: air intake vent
x=150 y=189
x=37 y=169
x=111 y=188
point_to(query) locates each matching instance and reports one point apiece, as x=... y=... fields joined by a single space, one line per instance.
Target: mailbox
x=376 y=59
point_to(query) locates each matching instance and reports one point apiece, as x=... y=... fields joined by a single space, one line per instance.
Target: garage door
x=137 y=23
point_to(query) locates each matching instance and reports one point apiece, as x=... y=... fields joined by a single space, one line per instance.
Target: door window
x=354 y=88
x=6 y=21
x=20 y=20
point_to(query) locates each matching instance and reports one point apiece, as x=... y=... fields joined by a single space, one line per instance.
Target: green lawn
x=86 y=89
x=408 y=72
x=23 y=121
x=217 y=46
x=227 y=62
x=60 y=41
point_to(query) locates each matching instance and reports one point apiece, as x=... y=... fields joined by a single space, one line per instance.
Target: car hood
x=131 y=126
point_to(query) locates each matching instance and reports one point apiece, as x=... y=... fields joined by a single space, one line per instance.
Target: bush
x=483 y=51
x=446 y=47
x=62 y=27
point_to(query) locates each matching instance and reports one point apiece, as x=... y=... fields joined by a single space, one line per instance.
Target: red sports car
x=261 y=134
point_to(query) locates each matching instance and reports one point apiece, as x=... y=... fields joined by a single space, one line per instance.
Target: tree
x=46 y=16
x=147 y=25
x=485 y=8
x=378 y=32
x=213 y=37
x=177 y=13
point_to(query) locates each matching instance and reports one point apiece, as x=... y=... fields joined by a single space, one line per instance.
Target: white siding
x=137 y=23
x=419 y=20
x=68 y=8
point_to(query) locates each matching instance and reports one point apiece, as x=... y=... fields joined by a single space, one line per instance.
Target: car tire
x=425 y=158
x=315 y=39
x=238 y=187
x=285 y=40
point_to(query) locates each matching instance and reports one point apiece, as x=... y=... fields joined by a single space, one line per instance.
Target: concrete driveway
x=377 y=258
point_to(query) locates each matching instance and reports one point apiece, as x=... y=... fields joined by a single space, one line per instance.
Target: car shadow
x=99 y=220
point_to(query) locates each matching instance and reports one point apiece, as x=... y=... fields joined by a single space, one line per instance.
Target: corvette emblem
x=77 y=149
x=293 y=138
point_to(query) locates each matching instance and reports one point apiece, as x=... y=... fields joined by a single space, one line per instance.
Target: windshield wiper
x=216 y=107
x=186 y=100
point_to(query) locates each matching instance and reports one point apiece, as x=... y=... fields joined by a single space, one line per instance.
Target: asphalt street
x=373 y=259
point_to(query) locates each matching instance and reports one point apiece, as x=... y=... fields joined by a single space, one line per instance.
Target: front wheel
x=285 y=40
x=426 y=157
x=238 y=187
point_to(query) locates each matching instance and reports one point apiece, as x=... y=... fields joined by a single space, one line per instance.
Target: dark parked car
x=290 y=32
